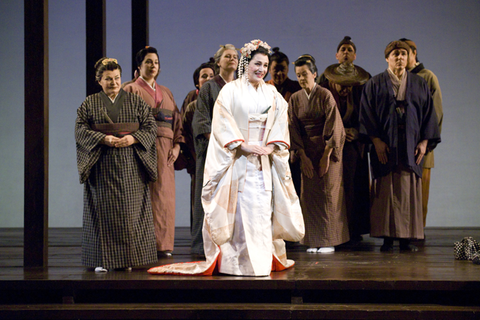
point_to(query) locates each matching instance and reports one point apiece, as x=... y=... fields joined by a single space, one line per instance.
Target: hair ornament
x=246 y=52
x=109 y=60
x=253 y=45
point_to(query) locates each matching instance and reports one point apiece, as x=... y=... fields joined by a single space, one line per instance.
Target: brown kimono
x=322 y=198
x=169 y=132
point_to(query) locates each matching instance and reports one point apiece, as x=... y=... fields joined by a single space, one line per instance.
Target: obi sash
x=116 y=129
x=164 y=120
x=163 y=117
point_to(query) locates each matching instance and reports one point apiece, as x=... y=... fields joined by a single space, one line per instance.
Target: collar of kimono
x=309 y=94
x=219 y=80
x=156 y=94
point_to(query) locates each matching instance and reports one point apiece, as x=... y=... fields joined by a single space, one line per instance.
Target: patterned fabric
x=322 y=199
x=117 y=216
x=466 y=249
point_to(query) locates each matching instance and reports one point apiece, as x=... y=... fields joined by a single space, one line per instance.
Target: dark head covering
x=396 y=45
x=410 y=43
x=347 y=75
x=347 y=40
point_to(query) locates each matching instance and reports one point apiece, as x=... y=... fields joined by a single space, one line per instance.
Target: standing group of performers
x=250 y=146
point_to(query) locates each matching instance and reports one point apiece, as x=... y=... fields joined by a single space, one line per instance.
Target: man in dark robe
x=397 y=115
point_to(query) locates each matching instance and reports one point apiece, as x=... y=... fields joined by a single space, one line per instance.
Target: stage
x=355 y=282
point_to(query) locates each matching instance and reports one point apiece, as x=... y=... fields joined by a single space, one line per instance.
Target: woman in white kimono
x=248 y=196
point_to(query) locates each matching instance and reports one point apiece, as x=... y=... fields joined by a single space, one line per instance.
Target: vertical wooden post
x=36 y=134
x=139 y=28
x=96 y=40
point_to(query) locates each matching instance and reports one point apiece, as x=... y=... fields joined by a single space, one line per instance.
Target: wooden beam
x=140 y=34
x=36 y=134
x=96 y=40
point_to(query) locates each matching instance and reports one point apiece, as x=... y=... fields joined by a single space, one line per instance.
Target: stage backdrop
x=186 y=33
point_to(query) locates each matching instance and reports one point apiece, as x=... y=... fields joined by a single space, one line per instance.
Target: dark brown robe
x=322 y=198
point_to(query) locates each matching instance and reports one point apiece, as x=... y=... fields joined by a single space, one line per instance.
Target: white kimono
x=250 y=202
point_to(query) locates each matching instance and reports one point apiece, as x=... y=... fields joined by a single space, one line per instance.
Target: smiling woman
x=248 y=195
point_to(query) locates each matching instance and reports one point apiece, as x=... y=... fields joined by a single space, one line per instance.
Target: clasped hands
x=122 y=142
x=256 y=150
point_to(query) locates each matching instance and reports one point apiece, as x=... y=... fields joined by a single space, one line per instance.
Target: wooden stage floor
x=355 y=282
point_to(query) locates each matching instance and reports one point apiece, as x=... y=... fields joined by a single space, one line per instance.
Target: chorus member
x=226 y=60
x=318 y=137
x=416 y=67
x=279 y=66
x=345 y=82
x=169 y=138
x=397 y=114
x=205 y=72
x=249 y=199
x=346 y=54
x=115 y=138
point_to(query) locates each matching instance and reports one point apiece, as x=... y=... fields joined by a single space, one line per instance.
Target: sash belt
x=116 y=129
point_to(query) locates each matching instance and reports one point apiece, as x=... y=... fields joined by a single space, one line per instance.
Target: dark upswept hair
x=347 y=40
x=306 y=59
x=196 y=74
x=261 y=50
x=104 y=64
x=140 y=56
x=278 y=56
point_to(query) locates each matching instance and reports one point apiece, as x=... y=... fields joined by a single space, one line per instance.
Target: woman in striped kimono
x=318 y=137
x=169 y=138
x=115 y=139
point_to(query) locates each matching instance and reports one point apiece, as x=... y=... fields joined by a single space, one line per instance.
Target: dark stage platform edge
x=356 y=282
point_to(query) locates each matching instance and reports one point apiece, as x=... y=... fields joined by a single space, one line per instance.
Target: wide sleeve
x=220 y=190
x=146 y=136
x=287 y=218
x=279 y=133
x=333 y=130
x=429 y=126
x=436 y=92
x=177 y=125
x=202 y=119
x=295 y=126
x=224 y=125
x=367 y=118
x=87 y=140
